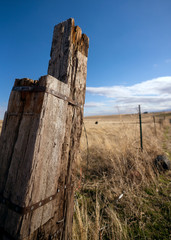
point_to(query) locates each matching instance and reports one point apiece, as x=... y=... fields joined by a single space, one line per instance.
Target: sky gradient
x=129 y=60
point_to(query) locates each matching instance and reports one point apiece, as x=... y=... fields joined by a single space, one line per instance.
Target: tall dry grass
x=0 y=125
x=115 y=176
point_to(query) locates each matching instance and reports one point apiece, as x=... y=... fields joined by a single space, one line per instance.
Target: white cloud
x=155 y=86
x=153 y=95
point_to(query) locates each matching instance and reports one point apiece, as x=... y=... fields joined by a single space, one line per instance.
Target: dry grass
x=112 y=203
x=0 y=125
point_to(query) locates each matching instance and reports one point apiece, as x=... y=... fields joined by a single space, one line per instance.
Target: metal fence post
x=154 y=120
x=141 y=140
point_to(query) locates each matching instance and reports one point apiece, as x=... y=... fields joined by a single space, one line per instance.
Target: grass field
x=0 y=125
x=120 y=194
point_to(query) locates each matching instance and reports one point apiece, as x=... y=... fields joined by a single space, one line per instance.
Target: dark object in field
x=170 y=121
x=145 y=112
x=162 y=163
x=96 y=122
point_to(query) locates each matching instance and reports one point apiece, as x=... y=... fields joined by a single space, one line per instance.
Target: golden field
x=120 y=194
x=0 y=125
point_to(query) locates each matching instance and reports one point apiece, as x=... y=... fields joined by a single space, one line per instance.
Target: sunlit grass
x=122 y=196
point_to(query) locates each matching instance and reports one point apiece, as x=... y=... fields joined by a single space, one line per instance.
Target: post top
x=68 y=42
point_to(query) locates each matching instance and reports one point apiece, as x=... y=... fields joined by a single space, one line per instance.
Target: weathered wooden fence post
x=39 y=143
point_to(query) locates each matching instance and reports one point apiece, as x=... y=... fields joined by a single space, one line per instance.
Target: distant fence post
x=39 y=143
x=140 y=122
x=161 y=122
x=154 y=120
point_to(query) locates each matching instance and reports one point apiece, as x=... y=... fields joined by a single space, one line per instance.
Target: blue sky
x=129 y=60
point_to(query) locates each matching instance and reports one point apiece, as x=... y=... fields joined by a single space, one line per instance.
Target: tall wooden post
x=40 y=141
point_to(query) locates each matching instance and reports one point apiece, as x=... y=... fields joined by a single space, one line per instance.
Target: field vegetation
x=0 y=125
x=120 y=192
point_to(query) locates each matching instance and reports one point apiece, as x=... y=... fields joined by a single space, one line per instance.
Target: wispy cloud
x=168 y=60
x=153 y=95
x=94 y=104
